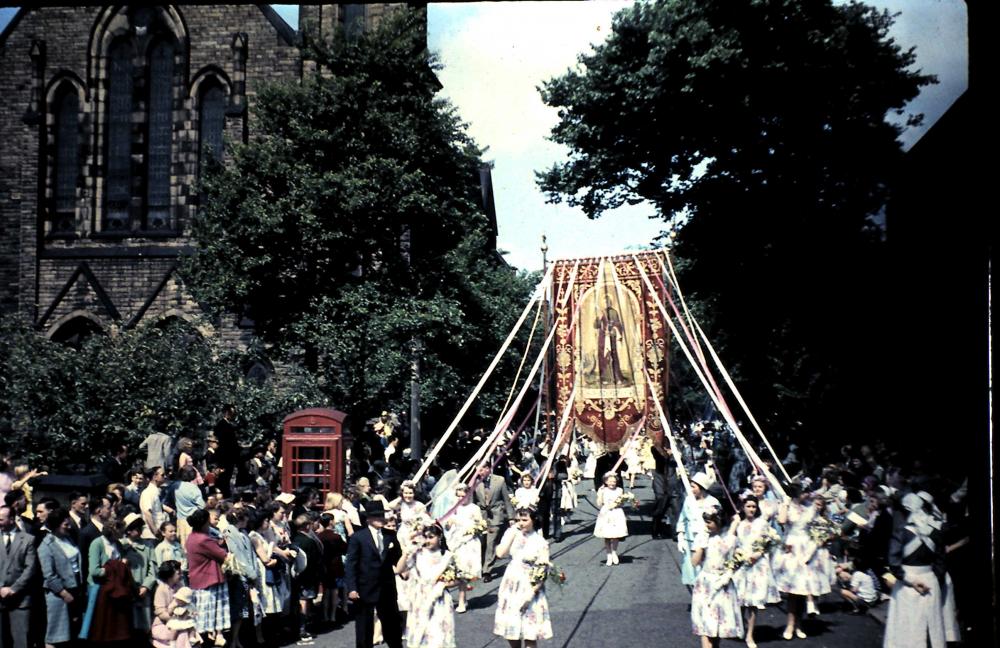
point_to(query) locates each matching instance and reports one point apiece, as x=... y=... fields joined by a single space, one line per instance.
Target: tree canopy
x=63 y=406
x=351 y=227
x=757 y=130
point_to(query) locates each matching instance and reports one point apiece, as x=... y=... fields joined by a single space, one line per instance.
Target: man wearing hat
x=370 y=580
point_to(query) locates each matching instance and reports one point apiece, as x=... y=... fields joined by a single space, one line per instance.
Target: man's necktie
x=6 y=541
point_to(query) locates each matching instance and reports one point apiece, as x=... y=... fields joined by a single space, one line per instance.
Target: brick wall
x=243 y=46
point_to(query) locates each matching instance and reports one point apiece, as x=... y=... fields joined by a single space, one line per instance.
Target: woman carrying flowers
x=611 y=525
x=796 y=564
x=464 y=529
x=715 y=609
x=522 y=608
x=755 y=586
x=430 y=569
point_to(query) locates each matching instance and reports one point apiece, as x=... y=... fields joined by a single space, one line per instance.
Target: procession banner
x=602 y=361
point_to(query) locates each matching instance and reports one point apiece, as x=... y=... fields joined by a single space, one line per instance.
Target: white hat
x=285 y=498
x=184 y=594
x=131 y=519
x=702 y=480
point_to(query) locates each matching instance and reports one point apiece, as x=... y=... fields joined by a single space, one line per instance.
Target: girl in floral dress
x=466 y=546
x=522 y=608
x=611 y=525
x=715 y=609
x=755 y=586
x=430 y=568
x=796 y=563
x=412 y=518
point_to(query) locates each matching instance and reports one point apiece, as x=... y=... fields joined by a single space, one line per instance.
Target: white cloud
x=501 y=52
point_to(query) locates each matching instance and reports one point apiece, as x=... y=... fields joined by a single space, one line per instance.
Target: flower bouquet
x=539 y=571
x=626 y=499
x=822 y=530
x=767 y=541
x=479 y=527
x=736 y=560
x=449 y=575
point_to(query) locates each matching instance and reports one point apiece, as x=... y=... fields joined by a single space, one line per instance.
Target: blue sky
x=495 y=55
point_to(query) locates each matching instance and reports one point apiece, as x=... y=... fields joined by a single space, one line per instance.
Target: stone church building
x=107 y=117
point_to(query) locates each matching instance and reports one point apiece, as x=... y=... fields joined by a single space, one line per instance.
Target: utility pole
x=416 y=445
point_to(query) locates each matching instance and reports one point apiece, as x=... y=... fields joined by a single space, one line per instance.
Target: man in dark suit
x=100 y=512
x=370 y=580
x=18 y=564
x=493 y=499
x=664 y=490
x=227 y=453
x=114 y=467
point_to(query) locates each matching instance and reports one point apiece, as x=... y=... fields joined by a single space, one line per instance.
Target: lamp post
x=542 y=384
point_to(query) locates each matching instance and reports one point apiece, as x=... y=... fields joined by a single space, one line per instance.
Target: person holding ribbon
x=691 y=532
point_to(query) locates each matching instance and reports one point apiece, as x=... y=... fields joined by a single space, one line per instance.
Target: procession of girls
x=785 y=547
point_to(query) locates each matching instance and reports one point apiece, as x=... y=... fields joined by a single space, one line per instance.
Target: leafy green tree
x=350 y=228
x=757 y=130
x=63 y=407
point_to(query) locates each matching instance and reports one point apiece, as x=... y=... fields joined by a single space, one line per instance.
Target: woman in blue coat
x=61 y=568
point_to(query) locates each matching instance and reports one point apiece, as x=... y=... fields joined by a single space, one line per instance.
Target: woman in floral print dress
x=412 y=518
x=715 y=610
x=430 y=569
x=755 y=586
x=465 y=543
x=522 y=608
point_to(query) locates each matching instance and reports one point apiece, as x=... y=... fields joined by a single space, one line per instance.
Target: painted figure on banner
x=610 y=339
x=609 y=347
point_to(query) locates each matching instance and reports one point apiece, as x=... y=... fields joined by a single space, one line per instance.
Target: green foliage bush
x=63 y=407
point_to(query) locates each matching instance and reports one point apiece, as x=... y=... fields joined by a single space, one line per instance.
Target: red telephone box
x=313 y=450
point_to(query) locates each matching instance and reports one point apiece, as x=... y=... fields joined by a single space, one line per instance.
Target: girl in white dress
x=590 y=464
x=633 y=462
x=755 y=586
x=412 y=516
x=522 y=608
x=715 y=610
x=465 y=542
x=431 y=621
x=799 y=562
x=526 y=496
x=611 y=525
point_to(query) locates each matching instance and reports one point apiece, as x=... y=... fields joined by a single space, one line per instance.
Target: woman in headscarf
x=916 y=560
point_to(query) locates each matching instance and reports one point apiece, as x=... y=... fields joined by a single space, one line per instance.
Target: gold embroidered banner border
x=618 y=330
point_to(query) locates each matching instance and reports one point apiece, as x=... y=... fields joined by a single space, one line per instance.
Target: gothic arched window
x=67 y=158
x=119 y=141
x=161 y=127
x=211 y=120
